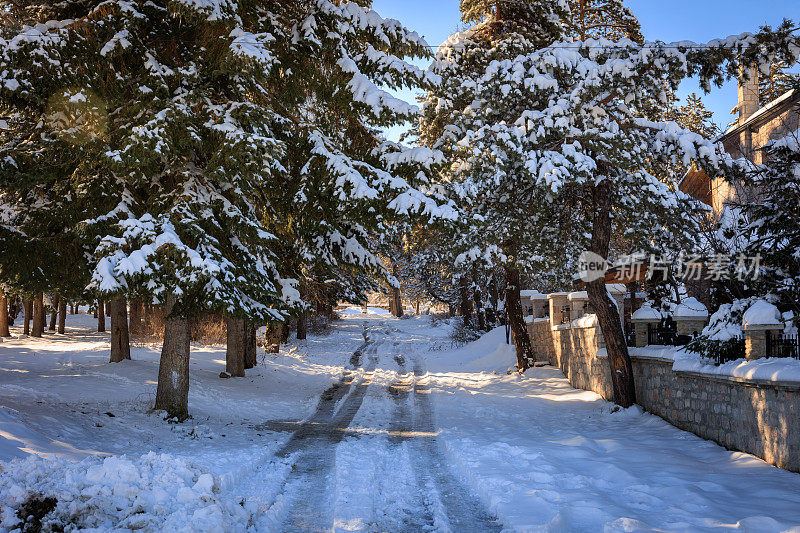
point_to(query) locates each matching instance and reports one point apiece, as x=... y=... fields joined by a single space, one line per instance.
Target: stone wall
x=753 y=416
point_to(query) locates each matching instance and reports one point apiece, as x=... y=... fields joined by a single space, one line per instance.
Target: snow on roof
x=557 y=294
x=578 y=295
x=690 y=308
x=788 y=95
x=761 y=313
x=646 y=312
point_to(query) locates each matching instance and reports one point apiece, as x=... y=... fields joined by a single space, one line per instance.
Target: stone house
x=752 y=130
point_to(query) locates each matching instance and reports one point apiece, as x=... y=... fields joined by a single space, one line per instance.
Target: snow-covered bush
x=722 y=340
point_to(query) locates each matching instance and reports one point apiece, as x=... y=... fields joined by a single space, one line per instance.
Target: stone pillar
x=578 y=302
x=689 y=326
x=755 y=339
x=760 y=320
x=558 y=300
x=691 y=316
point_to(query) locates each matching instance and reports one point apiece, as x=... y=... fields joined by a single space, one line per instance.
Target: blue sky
x=666 y=20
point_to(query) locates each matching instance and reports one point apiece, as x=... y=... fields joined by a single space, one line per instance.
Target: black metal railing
x=730 y=350
x=663 y=334
x=783 y=345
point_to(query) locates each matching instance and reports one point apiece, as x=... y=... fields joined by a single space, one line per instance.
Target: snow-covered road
x=379 y=425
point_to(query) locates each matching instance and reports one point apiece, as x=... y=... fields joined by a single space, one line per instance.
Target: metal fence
x=783 y=345
x=662 y=334
x=731 y=350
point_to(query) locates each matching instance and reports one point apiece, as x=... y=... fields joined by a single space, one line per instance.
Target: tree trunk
x=136 y=318
x=62 y=315
x=477 y=299
x=172 y=394
x=273 y=337
x=235 y=347
x=101 y=316
x=607 y=313
x=27 y=309
x=54 y=313
x=38 y=315
x=302 y=326
x=74 y=308
x=250 y=346
x=516 y=320
x=120 y=339
x=464 y=303
x=4 y=332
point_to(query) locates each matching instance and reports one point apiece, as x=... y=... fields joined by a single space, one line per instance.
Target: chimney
x=748 y=95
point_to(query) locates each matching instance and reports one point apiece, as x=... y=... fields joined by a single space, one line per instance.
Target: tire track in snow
x=305 y=502
x=412 y=510
x=451 y=506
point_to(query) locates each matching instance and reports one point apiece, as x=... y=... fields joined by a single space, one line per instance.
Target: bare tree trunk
x=54 y=313
x=74 y=308
x=302 y=326
x=235 y=347
x=517 y=321
x=250 y=347
x=464 y=301
x=28 y=312
x=136 y=318
x=120 y=338
x=607 y=313
x=101 y=316
x=396 y=296
x=4 y=332
x=274 y=333
x=477 y=299
x=172 y=394
x=38 y=315
x=62 y=315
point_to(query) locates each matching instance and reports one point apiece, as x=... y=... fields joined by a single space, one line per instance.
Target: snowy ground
x=378 y=426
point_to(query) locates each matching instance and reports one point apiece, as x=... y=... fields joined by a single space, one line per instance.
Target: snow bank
x=154 y=492
x=489 y=354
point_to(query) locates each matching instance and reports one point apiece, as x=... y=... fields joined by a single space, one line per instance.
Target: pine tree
x=496 y=219
x=175 y=175
x=609 y=19
x=772 y=233
x=562 y=130
x=777 y=83
x=694 y=116
x=344 y=183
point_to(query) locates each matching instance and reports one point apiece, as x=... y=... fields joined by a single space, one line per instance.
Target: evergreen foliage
x=779 y=81
x=772 y=231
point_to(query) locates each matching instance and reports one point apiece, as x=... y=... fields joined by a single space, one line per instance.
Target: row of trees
x=204 y=157
x=557 y=123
